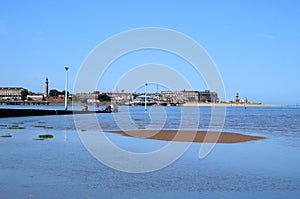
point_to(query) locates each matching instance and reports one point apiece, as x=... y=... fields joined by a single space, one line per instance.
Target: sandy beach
x=190 y=136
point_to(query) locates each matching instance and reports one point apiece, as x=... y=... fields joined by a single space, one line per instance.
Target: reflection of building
x=11 y=92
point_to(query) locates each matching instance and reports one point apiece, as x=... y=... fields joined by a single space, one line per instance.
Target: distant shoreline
x=70 y=103
x=232 y=104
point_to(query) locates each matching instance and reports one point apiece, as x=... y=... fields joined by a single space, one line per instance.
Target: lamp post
x=245 y=102
x=66 y=90
x=145 y=97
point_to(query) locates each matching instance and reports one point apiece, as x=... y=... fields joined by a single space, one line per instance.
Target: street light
x=145 y=97
x=66 y=90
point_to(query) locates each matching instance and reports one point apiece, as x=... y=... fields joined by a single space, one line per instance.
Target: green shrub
x=15 y=127
x=45 y=136
x=6 y=136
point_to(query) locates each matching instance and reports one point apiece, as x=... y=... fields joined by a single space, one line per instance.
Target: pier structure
x=20 y=102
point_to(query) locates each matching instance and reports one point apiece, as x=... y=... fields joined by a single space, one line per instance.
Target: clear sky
x=255 y=44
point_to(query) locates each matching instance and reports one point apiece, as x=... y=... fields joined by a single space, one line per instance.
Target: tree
x=103 y=97
x=24 y=94
x=54 y=93
x=84 y=100
x=135 y=95
x=63 y=92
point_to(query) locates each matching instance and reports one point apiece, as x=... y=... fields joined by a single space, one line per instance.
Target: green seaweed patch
x=48 y=127
x=45 y=136
x=141 y=127
x=15 y=127
x=6 y=136
x=44 y=127
x=18 y=123
x=3 y=126
x=30 y=120
x=39 y=126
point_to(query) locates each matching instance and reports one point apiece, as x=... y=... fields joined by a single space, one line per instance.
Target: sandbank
x=190 y=136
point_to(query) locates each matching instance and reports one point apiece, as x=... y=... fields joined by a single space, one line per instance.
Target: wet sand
x=190 y=136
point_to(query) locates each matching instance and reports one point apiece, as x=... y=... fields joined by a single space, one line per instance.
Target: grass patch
x=45 y=136
x=15 y=127
x=6 y=136
x=141 y=127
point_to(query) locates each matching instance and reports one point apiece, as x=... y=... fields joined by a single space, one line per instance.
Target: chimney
x=47 y=92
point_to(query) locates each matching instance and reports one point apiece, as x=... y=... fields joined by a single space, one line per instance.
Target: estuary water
x=62 y=167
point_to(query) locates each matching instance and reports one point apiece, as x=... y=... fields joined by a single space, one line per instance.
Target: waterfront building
x=85 y=97
x=208 y=96
x=35 y=97
x=142 y=98
x=190 y=96
x=166 y=96
x=120 y=97
x=183 y=96
x=7 y=93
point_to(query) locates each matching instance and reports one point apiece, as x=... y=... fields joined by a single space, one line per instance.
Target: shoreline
x=49 y=103
x=232 y=105
x=190 y=136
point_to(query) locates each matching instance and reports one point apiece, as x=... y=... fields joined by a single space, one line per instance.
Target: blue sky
x=255 y=44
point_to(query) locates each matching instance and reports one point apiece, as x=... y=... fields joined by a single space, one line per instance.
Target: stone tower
x=47 y=88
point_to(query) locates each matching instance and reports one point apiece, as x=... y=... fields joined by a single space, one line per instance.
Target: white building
x=35 y=97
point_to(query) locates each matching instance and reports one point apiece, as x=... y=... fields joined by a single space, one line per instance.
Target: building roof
x=11 y=88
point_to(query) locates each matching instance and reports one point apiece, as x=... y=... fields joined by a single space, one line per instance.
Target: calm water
x=62 y=167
